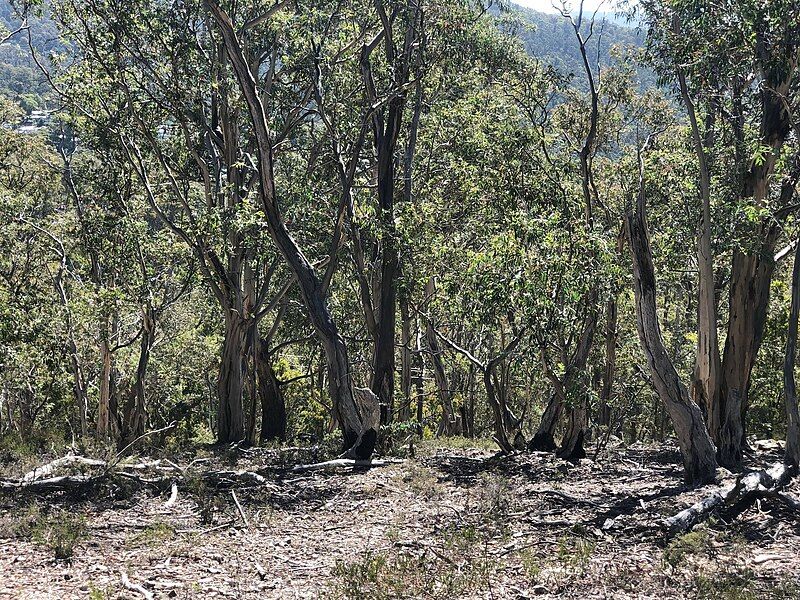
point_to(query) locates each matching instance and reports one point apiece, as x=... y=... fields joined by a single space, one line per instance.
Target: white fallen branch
x=49 y=468
x=240 y=509
x=134 y=587
x=173 y=496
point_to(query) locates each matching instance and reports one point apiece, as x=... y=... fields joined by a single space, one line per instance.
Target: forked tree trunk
x=752 y=271
x=358 y=417
x=578 y=415
x=697 y=449
x=230 y=382
x=134 y=420
x=749 y=300
x=273 y=406
x=792 y=456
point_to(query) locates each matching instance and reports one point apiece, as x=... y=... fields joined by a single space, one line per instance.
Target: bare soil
x=455 y=523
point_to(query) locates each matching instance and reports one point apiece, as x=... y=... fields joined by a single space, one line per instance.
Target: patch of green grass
x=429 y=447
x=688 y=544
x=421 y=480
x=531 y=564
x=575 y=552
x=155 y=533
x=61 y=532
x=726 y=586
x=454 y=564
x=21 y=522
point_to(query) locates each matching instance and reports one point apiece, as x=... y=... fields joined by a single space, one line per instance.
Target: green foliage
x=61 y=532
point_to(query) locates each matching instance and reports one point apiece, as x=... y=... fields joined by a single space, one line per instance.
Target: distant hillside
x=547 y=37
x=552 y=39
x=20 y=78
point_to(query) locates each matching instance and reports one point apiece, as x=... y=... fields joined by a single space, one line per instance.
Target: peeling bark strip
x=699 y=453
x=358 y=430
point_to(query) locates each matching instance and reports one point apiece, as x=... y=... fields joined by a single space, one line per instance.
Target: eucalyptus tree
x=152 y=82
x=737 y=78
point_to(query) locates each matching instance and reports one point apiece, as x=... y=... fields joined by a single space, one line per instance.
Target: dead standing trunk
x=358 y=417
x=697 y=449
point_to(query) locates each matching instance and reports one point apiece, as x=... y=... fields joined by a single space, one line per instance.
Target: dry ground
x=451 y=523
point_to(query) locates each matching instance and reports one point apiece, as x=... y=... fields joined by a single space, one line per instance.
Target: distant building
x=35 y=122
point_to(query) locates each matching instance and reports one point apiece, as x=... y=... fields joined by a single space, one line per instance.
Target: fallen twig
x=240 y=509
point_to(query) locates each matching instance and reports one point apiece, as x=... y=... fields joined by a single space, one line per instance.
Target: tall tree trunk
x=404 y=414
x=383 y=355
x=752 y=271
x=748 y=303
x=230 y=383
x=792 y=456
x=103 y=408
x=273 y=406
x=606 y=391
x=697 y=449
x=359 y=417
x=706 y=379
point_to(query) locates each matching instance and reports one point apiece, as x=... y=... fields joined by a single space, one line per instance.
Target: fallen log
x=69 y=460
x=745 y=491
x=52 y=484
x=344 y=462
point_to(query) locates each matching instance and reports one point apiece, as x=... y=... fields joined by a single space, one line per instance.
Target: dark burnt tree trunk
x=544 y=438
x=134 y=418
x=273 y=406
x=387 y=118
x=697 y=449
